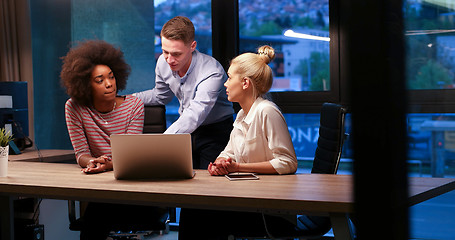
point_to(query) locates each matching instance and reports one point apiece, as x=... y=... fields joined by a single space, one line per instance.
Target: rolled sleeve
x=279 y=141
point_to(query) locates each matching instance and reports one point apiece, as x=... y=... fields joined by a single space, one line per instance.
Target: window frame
x=431 y=101
x=226 y=46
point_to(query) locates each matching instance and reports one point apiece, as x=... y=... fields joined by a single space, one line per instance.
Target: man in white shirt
x=197 y=81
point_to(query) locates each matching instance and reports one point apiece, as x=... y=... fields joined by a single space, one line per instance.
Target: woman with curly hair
x=92 y=74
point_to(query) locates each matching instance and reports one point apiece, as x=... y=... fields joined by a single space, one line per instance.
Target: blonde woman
x=259 y=142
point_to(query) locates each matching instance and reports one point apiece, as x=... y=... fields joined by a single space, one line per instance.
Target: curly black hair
x=79 y=63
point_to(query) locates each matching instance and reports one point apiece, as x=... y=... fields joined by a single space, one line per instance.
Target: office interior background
x=391 y=63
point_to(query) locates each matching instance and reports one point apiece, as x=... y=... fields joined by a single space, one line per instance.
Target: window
x=299 y=33
x=430 y=38
x=199 y=12
x=430 y=73
x=430 y=42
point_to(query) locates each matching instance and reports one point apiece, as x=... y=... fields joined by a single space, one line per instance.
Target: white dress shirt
x=262 y=135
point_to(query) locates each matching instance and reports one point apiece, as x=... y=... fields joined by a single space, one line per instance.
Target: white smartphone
x=241 y=176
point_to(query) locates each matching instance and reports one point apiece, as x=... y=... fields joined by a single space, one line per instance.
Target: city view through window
x=298 y=30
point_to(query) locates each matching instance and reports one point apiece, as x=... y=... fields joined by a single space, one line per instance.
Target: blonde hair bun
x=267 y=53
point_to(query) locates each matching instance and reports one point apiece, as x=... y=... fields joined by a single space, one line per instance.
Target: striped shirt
x=90 y=130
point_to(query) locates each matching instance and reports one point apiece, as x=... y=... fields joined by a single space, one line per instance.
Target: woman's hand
x=97 y=165
x=222 y=166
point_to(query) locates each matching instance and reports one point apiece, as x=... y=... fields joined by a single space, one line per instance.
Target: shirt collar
x=249 y=118
x=190 y=69
x=242 y=119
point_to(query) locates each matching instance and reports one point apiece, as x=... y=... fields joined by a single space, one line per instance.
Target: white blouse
x=262 y=135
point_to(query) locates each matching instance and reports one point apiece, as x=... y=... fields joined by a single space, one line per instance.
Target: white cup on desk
x=4 y=161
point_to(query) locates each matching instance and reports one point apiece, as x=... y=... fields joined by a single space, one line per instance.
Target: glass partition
x=430 y=71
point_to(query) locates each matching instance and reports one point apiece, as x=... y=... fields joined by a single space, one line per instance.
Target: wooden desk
x=45 y=155
x=301 y=193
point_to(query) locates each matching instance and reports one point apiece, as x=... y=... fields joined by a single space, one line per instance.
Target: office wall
x=51 y=34
x=58 y=25
x=128 y=25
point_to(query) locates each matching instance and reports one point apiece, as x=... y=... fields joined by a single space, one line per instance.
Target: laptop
x=152 y=156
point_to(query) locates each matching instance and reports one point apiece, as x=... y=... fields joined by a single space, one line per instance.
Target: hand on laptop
x=97 y=165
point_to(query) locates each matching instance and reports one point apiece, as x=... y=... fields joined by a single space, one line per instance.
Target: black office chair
x=154 y=119
x=154 y=122
x=326 y=161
